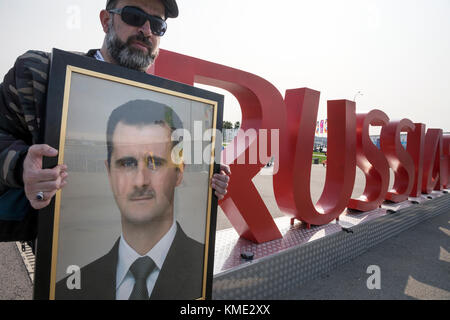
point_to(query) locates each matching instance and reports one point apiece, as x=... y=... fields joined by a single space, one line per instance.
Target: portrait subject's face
x=141 y=173
x=130 y=46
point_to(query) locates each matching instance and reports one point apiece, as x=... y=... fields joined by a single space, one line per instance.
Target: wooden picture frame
x=83 y=229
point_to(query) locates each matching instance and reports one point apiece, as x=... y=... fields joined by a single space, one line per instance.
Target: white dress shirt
x=98 y=56
x=127 y=255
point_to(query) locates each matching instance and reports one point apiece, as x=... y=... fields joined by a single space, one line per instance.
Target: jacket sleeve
x=22 y=102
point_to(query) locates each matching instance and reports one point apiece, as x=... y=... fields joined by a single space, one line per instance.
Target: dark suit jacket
x=181 y=276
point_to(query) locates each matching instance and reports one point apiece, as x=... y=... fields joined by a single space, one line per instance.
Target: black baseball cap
x=170 y=5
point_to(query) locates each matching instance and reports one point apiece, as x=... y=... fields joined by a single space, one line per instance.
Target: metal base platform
x=304 y=254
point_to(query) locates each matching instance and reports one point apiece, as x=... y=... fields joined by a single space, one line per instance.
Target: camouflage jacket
x=23 y=96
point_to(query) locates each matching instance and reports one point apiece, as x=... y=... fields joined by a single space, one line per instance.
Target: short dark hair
x=141 y=112
x=111 y=4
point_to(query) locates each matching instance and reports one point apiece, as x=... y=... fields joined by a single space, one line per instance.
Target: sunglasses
x=135 y=17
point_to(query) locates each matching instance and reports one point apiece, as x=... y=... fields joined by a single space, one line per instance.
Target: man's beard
x=127 y=56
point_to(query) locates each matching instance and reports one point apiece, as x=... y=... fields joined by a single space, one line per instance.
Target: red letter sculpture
x=295 y=119
x=399 y=160
x=432 y=160
x=292 y=183
x=262 y=108
x=415 y=147
x=371 y=161
x=445 y=164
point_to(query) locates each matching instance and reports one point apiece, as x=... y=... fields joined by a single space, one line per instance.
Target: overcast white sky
x=397 y=53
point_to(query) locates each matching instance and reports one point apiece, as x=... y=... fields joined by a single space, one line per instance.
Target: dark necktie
x=141 y=268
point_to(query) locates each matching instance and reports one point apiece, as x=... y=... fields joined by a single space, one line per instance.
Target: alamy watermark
x=73 y=21
x=374 y=281
x=74 y=279
x=196 y=147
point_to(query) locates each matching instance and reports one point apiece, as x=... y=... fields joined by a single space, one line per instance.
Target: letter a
x=74 y=280
x=374 y=281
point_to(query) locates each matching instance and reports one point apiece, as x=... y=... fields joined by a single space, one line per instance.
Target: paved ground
x=14 y=281
x=413 y=265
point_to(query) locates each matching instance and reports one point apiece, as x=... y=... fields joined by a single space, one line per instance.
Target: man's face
x=141 y=173
x=134 y=47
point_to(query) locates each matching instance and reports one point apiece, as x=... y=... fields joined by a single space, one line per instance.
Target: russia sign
x=421 y=168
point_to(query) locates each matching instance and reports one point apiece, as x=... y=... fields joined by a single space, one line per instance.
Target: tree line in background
x=230 y=125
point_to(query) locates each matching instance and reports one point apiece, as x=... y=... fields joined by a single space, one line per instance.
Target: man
x=133 y=31
x=143 y=177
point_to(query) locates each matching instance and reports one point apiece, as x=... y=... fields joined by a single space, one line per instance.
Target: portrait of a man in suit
x=153 y=258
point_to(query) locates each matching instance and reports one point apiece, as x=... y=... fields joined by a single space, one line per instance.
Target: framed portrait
x=137 y=217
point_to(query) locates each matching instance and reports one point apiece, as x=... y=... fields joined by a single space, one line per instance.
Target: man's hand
x=219 y=181
x=36 y=179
